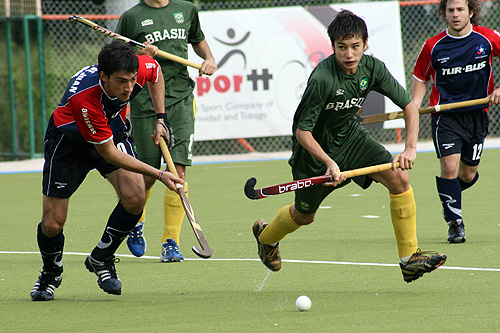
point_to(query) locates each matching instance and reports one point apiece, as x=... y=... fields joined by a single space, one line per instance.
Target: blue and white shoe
x=136 y=242
x=170 y=252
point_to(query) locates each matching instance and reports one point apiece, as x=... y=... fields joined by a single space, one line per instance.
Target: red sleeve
x=494 y=38
x=148 y=70
x=423 y=69
x=90 y=117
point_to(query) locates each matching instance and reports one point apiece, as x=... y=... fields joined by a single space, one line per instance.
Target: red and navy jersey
x=460 y=67
x=88 y=113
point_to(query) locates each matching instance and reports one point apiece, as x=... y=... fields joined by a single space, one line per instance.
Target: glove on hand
x=161 y=118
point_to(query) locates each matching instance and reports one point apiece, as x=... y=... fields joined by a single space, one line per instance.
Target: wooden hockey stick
x=114 y=35
x=264 y=192
x=206 y=251
x=377 y=118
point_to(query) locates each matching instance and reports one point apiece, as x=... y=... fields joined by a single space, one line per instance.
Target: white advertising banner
x=265 y=57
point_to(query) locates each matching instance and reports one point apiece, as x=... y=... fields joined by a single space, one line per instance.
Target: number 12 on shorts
x=477 y=150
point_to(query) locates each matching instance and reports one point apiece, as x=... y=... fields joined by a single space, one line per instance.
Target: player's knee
x=307 y=219
x=467 y=182
x=51 y=227
x=468 y=177
x=134 y=204
x=301 y=219
x=133 y=200
x=399 y=183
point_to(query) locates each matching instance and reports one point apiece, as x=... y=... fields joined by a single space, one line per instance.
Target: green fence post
x=11 y=87
x=29 y=85
x=41 y=57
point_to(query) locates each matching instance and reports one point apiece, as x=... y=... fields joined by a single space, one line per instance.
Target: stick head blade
x=250 y=191
x=202 y=253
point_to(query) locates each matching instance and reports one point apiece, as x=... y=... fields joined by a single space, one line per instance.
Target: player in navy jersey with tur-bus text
x=459 y=62
x=89 y=130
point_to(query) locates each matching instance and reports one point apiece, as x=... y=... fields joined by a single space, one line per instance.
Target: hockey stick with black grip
x=205 y=251
x=265 y=192
x=377 y=118
x=114 y=35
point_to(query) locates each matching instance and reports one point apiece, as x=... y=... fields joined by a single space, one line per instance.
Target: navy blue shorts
x=460 y=133
x=67 y=162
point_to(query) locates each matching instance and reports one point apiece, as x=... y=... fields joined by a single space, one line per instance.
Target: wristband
x=161 y=174
x=162 y=116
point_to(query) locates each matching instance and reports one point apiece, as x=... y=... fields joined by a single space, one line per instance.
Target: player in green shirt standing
x=327 y=138
x=168 y=25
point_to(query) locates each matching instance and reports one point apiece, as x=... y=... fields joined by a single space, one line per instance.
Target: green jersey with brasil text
x=170 y=28
x=328 y=107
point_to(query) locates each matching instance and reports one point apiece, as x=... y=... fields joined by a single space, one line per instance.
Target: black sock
x=51 y=250
x=451 y=198
x=120 y=224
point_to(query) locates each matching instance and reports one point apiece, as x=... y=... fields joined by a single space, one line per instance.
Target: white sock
x=405 y=260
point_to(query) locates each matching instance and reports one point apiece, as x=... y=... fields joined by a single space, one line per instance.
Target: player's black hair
x=474 y=6
x=117 y=56
x=347 y=25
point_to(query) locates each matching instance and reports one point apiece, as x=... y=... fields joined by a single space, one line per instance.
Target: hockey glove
x=161 y=118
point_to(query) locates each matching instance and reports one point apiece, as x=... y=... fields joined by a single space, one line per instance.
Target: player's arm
x=306 y=140
x=162 y=127
x=419 y=88
x=208 y=67
x=114 y=156
x=407 y=157
x=150 y=50
x=495 y=96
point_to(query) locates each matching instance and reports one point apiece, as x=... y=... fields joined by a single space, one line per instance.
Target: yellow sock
x=280 y=226
x=143 y=216
x=173 y=214
x=403 y=214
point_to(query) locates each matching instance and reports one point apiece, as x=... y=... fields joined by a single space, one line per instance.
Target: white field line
x=36 y=165
x=325 y=262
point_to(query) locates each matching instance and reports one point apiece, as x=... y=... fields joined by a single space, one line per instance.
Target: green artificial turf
x=346 y=261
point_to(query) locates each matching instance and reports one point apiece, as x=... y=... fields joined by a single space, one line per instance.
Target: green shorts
x=359 y=151
x=181 y=117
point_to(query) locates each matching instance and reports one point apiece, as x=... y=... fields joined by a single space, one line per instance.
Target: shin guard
x=280 y=226
x=403 y=215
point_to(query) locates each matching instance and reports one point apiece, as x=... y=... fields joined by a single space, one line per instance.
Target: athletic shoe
x=456 y=232
x=43 y=290
x=170 y=252
x=419 y=264
x=105 y=270
x=269 y=255
x=136 y=242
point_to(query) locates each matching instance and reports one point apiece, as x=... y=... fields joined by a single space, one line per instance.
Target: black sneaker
x=105 y=270
x=419 y=264
x=269 y=255
x=456 y=232
x=43 y=290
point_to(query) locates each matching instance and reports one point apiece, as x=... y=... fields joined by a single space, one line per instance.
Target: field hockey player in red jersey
x=89 y=130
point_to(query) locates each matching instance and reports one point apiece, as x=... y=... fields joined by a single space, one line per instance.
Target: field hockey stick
x=264 y=192
x=114 y=35
x=206 y=251
x=377 y=118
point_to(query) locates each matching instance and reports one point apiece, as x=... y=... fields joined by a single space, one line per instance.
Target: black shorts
x=67 y=162
x=460 y=133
